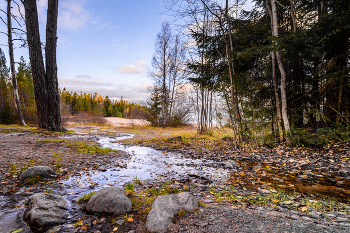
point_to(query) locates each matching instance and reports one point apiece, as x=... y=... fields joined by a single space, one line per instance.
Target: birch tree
x=20 y=118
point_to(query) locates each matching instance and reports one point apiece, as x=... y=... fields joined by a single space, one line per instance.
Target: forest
x=279 y=70
x=273 y=71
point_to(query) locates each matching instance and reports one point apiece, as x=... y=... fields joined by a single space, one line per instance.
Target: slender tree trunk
x=283 y=75
x=51 y=67
x=20 y=118
x=233 y=85
x=275 y=84
x=278 y=101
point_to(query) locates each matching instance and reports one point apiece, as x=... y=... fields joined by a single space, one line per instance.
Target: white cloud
x=137 y=93
x=83 y=76
x=137 y=68
x=72 y=15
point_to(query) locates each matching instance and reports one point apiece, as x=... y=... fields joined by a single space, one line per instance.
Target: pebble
x=119 y=222
x=331 y=215
x=315 y=214
x=340 y=219
x=132 y=231
x=307 y=218
x=294 y=216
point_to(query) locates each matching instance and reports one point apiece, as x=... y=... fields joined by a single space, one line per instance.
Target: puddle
x=253 y=175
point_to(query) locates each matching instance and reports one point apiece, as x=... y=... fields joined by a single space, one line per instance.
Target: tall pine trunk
x=20 y=118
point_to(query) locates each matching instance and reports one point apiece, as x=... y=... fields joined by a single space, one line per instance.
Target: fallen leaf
x=115 y=228
x=130 y=219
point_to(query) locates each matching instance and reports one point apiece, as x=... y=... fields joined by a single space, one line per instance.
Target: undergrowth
x=320 y=137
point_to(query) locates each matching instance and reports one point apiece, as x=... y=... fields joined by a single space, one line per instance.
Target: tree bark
x=20 y=118
x=283 y=75
x=54 y=120
x=45 y=84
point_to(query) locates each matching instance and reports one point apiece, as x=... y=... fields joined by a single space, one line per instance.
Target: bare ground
x=21 y=146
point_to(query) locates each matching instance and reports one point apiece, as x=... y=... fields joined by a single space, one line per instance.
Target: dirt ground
x=20 y=147
x=123 y=122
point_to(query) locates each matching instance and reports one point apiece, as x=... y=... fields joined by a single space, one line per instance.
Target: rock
x=46 y=210
x=178 y=138
x=164 y=208
x=42 y=171
x=340 y=219
x=62 y=229
x=111 y=200
x=119 y=222
x=315 y=214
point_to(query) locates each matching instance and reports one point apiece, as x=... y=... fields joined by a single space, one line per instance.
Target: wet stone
x=46 y=210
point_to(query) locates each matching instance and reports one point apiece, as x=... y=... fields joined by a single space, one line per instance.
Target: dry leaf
x=130 y=219
x=115 y=228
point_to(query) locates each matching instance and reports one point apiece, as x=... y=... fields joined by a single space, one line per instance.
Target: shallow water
x=144 y=163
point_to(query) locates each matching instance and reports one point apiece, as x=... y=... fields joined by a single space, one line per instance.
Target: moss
x=85 y=197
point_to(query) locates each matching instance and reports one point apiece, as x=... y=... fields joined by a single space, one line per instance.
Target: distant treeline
x=73 y=103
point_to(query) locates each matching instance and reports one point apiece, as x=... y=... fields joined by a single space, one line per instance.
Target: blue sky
x=104 y=46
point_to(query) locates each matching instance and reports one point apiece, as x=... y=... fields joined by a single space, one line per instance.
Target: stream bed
x=145 y=163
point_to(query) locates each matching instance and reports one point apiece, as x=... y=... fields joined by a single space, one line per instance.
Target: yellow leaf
x=303 y=208
x=284 y=164
x=275 y=201
x=130 y=219
x=115 y=228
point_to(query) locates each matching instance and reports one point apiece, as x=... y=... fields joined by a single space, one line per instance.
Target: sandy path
x=123 y=122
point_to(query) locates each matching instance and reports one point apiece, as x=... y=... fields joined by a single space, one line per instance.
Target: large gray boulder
x=41 y=171
x=164 y=208
x=112 y=200
x=46 y=210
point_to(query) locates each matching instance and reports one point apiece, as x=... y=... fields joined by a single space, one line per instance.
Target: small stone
x=208 y=200
x=315 y=214
x=331 y=215
x=119 y=222
x=294 y=216
x=132 y=231
x=203 y=224
x=340 y=219
x=307 y=219
x=102 y=220
x=344 y=224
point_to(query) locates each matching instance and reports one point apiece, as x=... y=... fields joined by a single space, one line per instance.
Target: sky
x=104 y=46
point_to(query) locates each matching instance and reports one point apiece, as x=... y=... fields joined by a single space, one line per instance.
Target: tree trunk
x=54 y=120
x=283 y=75
x=45 y=84
x=273 y=58
x=278 y=101
x=20 y=118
